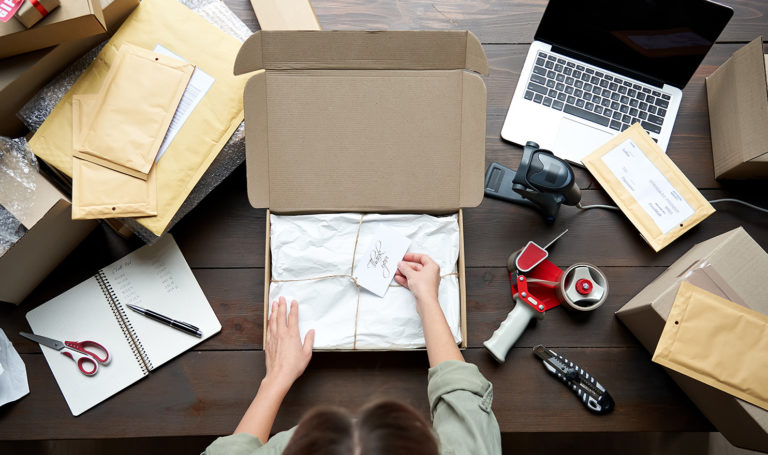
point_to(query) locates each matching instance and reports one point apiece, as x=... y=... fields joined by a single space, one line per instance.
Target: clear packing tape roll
x=18 y=167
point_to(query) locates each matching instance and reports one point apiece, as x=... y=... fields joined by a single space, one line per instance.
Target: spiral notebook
x=155 y=277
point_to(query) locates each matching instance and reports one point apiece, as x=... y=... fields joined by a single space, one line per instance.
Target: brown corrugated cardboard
x=23 y=75
x=365 y=121
x=30 y=13
x=52 y=235
x=72 y=20
x=738 y=112
x=733 y=266
x=285 y=15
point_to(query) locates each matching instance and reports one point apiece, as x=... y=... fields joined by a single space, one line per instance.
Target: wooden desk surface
x=205 y=391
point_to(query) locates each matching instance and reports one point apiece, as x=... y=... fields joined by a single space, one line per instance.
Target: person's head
x=386 y=427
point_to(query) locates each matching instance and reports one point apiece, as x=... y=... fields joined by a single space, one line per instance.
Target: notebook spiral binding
x=125 y=324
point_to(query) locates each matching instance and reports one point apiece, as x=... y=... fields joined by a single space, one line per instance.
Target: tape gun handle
x=510 y=330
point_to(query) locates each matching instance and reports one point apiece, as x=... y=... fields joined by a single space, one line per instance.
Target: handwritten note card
x=377 y=268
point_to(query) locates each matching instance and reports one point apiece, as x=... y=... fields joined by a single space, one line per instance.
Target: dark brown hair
x=387 y=427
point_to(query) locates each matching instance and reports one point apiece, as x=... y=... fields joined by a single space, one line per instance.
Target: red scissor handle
x=87 y=360
x=82 y=345
x=85 y=363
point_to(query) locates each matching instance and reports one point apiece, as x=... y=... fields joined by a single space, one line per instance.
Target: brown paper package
x=100 y=192
x=133 y=111
x=717 y=342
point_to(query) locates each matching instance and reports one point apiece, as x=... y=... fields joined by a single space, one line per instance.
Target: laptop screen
x=665 y=40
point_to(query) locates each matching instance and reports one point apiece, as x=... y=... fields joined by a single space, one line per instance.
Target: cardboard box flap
x=362 y=141
x=337 y=132
x=394 y=50
x=738 y=89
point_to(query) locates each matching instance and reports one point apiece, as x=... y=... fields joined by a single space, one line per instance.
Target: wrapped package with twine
x=313 y=259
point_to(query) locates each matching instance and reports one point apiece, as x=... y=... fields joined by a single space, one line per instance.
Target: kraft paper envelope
x=100 y=192
x=647 y=186
x=134 y=107
x=718 y=342
x=208 y=127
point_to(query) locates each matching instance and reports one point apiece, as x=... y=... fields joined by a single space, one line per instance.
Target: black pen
x=183 y=326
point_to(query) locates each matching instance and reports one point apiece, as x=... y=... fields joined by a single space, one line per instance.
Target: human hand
x=285 y=356
x=420 y=274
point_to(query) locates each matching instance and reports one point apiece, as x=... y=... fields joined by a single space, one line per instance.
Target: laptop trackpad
x=576 y=140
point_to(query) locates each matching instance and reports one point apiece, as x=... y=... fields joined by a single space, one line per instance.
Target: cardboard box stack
x=364 y=122
x=51 y=234
x=733 y=266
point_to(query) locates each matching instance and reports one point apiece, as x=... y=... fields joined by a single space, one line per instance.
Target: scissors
x=87 y=361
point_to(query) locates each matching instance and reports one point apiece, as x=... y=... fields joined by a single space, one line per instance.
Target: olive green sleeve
x=460 y=402
x=247 y=444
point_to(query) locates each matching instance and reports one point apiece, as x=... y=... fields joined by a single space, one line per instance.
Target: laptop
x=598 y=66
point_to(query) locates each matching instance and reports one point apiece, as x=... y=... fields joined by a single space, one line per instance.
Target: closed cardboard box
x=737 y=94
x=72 y=20
x=51 y=236
x=22 y=76
x=365 y=122
x=731 y=265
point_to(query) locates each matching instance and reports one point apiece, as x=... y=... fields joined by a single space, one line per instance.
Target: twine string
x=351 y=277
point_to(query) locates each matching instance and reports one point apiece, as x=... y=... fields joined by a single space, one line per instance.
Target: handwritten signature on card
x=377 y=266
x=379 y=260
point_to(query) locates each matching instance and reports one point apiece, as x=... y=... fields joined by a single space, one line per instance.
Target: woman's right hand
x=419 y=273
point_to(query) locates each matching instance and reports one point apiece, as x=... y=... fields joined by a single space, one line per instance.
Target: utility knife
x=591 y=393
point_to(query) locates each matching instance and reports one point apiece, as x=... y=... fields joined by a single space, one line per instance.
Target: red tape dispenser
x=538 y=285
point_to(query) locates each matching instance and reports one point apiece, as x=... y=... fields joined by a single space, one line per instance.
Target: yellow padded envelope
x=174 y=26
x=717 y=342
x=100 y=192
x=124 y=127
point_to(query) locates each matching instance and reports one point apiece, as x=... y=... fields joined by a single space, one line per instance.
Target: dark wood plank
x=239 y=308
x=236 y=296
x=601 y=237
x=492 y=231
x=205 y=393
x=506 y=21
x=489 y=301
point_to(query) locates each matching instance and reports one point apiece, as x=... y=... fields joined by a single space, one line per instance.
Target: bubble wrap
x=34 y=113
x=17 y=165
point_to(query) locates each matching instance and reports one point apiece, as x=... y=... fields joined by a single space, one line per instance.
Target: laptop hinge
x=607 y=65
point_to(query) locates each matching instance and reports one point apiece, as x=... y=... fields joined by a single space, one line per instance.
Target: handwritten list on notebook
x=155 y=277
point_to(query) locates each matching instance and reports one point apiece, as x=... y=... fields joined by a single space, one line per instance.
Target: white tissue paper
x=309 y=248
x=13 y=373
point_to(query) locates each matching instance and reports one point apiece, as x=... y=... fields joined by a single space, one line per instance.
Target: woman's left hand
x=286 y=356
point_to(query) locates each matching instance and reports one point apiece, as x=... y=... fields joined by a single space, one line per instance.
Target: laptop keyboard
x=592 y=95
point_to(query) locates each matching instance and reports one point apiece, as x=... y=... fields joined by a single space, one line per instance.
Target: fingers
x=271 y=322
x=281 y=309
x=293 y=317
x=309 y=341
x=401 y=280
x=405 y=268
x=419 y=258
x=412 y=257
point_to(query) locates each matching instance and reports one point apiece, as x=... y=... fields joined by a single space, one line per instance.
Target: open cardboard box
x=73 y=19
x=51 y=236
x=737 y=94
x=365 y=122
x=731 y=265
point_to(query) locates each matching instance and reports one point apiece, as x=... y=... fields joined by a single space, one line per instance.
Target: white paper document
x=198 y=86
x=377 y=270
x=312 y=263
x=648 y=186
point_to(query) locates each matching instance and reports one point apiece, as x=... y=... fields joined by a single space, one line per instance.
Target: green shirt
x=460 y=403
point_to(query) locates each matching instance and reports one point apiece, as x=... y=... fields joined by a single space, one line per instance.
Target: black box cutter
x=592 y=394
